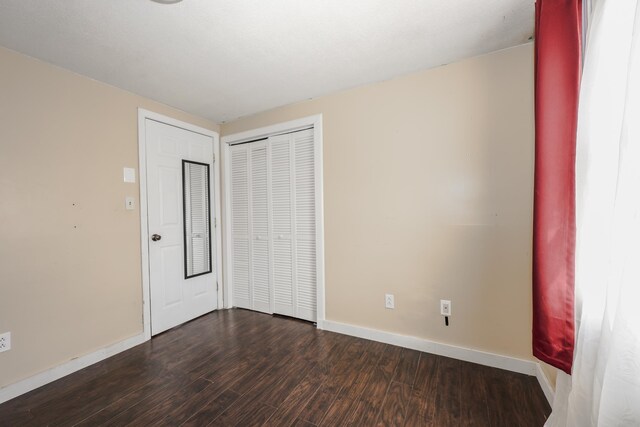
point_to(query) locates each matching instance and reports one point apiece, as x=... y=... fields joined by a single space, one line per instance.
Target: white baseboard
x=545 y=384
x=513 y=364
x=73 y=365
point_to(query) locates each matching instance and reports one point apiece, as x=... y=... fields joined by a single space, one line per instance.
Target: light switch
x=130 y=203
x=129 y=175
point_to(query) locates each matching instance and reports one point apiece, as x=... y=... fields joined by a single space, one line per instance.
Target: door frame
x=143 y=115
x=315 y=122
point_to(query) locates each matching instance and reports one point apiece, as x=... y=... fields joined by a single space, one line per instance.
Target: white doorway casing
x=314 y=122
x=143 y=116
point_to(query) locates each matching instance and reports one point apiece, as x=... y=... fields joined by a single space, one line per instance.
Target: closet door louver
x=281 y=196
x=240 y=226
x=305 y=224
x=260 y=259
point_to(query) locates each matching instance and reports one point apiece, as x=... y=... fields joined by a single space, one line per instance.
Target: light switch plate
x=129 y=175
x=130 y=203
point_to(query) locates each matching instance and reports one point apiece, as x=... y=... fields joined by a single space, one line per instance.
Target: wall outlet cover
x=389 y=301
x=130 y=203
x=445 y=307
x=5 y=342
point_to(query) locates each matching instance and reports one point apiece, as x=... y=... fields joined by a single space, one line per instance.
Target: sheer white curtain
x=604 y=389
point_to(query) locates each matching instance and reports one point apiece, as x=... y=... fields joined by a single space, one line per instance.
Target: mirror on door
x=197 y=226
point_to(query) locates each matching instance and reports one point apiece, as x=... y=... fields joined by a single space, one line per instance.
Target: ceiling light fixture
x=166 y=1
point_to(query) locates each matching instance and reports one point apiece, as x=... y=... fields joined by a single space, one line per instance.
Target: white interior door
x=180 y=194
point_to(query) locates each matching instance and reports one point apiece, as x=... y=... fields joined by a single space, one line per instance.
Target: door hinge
x=214 y=157
x=217 y=286
x=215 y=222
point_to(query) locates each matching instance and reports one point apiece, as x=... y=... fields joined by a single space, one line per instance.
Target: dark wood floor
x=236 y=367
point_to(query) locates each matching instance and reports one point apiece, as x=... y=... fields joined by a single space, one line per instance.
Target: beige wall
x=70 y=279
x=428 y=195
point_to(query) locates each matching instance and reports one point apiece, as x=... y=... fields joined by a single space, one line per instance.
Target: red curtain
x=557 y=80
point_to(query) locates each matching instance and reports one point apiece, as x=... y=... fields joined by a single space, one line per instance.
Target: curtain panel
x=557 y=85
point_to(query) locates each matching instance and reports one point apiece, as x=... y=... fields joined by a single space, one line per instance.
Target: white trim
x=228 y=291
x=545 y=384
x=217 y=212
x=319 y=164
x=73 y=365
x=461 y=353
x=266 y=131
x=144 y=226
x=314 y=121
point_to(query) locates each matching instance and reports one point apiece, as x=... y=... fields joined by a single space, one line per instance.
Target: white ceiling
x=223 y=59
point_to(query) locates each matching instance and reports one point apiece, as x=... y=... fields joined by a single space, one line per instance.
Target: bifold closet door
x=274 y=225
x=250 y=227
x=259 y=227
x=282 y=191
x=240 y=239
x=304 y=240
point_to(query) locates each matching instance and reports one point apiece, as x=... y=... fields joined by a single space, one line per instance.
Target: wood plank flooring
x=236 y=367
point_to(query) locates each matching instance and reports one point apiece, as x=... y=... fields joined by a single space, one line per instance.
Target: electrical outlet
x=389 y=301
x=5 y=342
x=445 y=307
x=130 y=203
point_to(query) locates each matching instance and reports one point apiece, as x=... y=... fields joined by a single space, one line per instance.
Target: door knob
x=156 y=237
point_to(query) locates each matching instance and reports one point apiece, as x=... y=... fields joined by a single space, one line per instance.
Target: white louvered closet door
x=293 y=195
x=274 y=225
x=304 y=202
x=260 y=258
x=282 y=191
x=240 y=240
